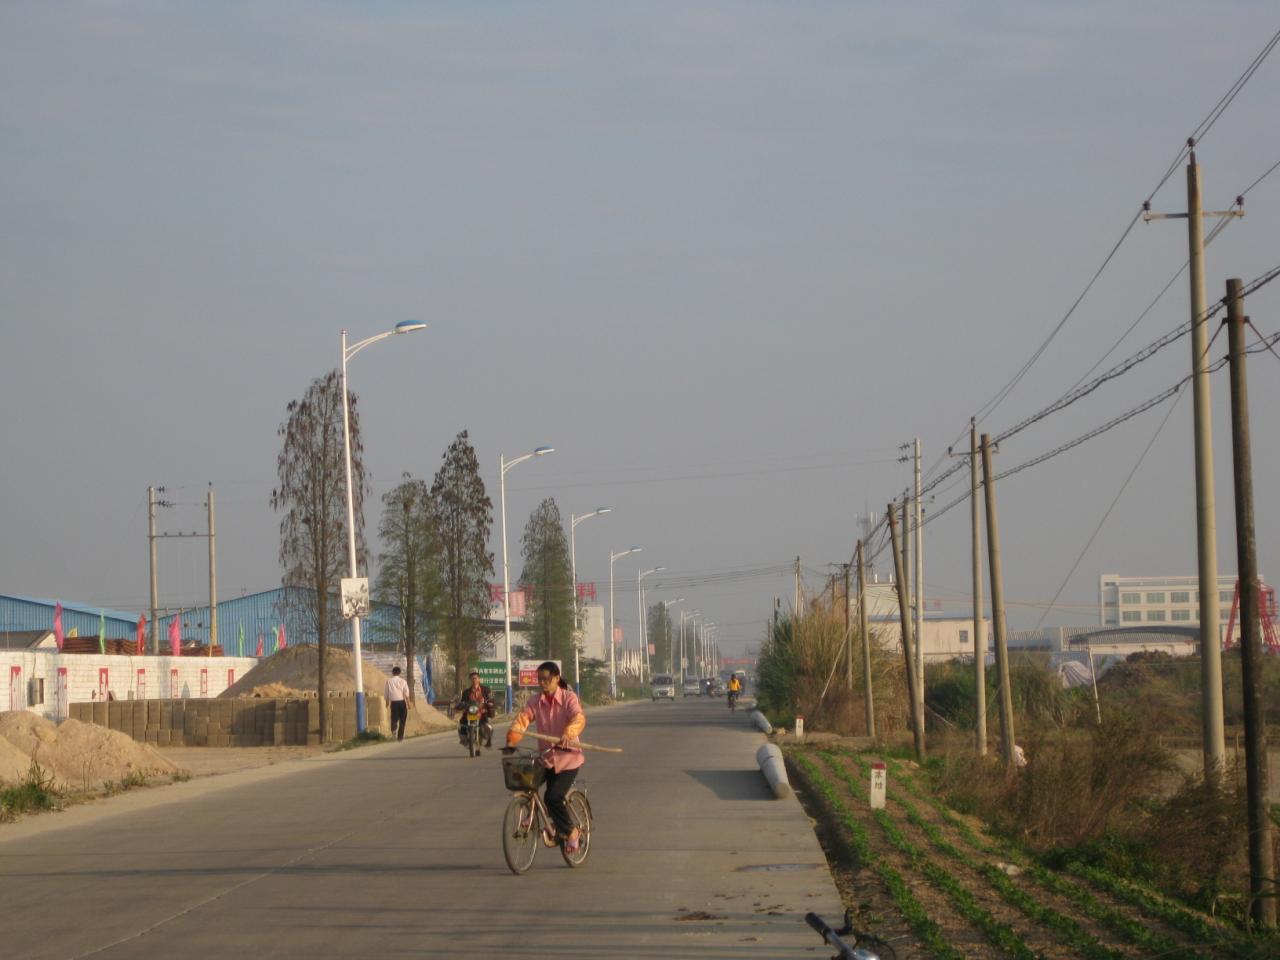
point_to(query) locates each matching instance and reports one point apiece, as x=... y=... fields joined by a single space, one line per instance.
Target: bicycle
x=527 y=820
x=733 y=700
x=866 y=946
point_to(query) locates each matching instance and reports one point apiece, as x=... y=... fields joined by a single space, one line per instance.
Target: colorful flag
x=102 y=631
x=281 y=643
x=58 y=636
x=175 y=636
x=240 y=641
x=261 y=652
x=142 y=635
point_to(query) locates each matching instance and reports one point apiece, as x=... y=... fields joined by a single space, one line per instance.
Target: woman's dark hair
x=553 y=668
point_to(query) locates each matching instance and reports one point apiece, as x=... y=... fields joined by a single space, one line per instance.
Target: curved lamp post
x=573 y=566
x=613 y=657
x=505 y=465
x=404 y=326
x=644 y=636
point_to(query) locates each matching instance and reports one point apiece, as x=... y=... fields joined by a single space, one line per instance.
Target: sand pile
x=13 y=763
x=78 y=754
x=292 y=673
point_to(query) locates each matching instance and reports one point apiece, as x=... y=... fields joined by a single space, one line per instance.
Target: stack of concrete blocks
x=232 y=723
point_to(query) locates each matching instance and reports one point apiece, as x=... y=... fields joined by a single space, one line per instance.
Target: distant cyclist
x=735 y=688
x=556 y=712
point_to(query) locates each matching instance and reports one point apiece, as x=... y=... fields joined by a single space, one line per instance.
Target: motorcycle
x=476 y=730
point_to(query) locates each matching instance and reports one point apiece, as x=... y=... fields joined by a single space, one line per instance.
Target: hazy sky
x=726 y=257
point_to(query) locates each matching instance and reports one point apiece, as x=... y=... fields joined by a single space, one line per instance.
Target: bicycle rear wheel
x=580 y=811
x=519 y=833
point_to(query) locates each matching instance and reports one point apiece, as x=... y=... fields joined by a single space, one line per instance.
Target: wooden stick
x=580 y=745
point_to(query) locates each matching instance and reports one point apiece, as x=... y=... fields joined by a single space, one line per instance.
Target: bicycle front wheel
x=519 y=833
x=580 y=811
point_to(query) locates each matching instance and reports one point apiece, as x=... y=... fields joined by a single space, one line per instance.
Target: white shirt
x=397 y=689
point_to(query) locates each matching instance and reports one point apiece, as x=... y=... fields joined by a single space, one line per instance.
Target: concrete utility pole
x=866 y=641
x=213 y=577
x=979 y=640
x=1261 y=855
x=997 y=607
x=904 y=617
x=848 y=635
x=151 y=542
x=919 y=632
x=796 y=608
x=1206 y=523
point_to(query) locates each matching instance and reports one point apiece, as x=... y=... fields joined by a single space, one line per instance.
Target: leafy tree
x=464 y=515
x=312 y=493
x=409 y=568
x=548 y=577
x=658 y=626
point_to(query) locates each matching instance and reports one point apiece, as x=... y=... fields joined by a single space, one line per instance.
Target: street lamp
x=691 y=615
x=505 y=465
x=613 y=656
x=666 y=606
x=573 y=565
x=404 y=326
x=644 y=637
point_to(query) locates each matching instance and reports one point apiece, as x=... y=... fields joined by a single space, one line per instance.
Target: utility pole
x=151 y=543
x=213 y=577
x=904 y=617
x=919 y=632
x=848 y=634
x=979 y=640
x=866 y=641
x=1261 y=856
x=997 y=607
x=1206 y=523
x=796 y=609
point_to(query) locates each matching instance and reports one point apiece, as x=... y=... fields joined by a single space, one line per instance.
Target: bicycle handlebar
x=823 y=929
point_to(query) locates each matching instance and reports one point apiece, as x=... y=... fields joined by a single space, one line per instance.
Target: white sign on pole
x=355 y=597
x=879 y=785
x=799 y=728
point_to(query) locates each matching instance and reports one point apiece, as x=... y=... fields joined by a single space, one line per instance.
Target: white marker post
x=799 y=728
x=879 y=785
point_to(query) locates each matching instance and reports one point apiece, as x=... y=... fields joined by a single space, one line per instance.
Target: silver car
x=692 y=687
x=663 y=688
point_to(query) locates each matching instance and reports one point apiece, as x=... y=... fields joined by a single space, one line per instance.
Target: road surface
x=395 y=851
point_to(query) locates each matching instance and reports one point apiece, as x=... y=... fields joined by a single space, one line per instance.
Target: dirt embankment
x=294 y=672
x=77 y=755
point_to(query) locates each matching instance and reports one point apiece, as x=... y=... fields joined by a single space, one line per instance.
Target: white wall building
x=1129 y=601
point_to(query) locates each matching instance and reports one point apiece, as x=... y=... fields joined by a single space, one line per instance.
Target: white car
x=663 y=688
x=692 y=687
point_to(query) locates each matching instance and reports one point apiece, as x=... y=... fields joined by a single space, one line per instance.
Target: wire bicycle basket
x=520 y=771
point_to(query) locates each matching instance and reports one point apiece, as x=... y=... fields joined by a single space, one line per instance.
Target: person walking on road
x=398 y=698
x=556 y=712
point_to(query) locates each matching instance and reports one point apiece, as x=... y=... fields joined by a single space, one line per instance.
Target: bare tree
x=312 y=494
x=464 y=516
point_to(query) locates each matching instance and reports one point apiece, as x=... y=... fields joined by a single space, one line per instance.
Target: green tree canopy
x=409 y=574
x=548 y=578
x=464 y=516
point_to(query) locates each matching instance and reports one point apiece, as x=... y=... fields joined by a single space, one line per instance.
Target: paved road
x=395 y=851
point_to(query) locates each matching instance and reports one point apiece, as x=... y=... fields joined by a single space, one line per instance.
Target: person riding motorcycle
x=476 y=693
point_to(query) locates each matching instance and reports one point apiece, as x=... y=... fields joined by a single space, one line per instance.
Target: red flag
x=260 y=652
x=58 y=635
x=142 y=634
x=175 y=636
x=281 y=643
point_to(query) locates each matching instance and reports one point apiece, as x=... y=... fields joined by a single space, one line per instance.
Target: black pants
x=558 y=785
x=399 y=714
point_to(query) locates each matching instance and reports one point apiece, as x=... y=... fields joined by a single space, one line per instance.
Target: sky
x=726 y=257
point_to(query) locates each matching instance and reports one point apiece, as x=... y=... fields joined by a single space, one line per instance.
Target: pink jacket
x=556 y=716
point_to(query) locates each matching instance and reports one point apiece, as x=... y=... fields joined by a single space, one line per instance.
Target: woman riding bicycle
x=556 y=712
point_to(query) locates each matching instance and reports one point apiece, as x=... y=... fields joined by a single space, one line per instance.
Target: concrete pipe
x=769 y=757
x=761 y=721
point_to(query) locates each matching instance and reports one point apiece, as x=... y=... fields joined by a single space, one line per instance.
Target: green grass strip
x=859 y=843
